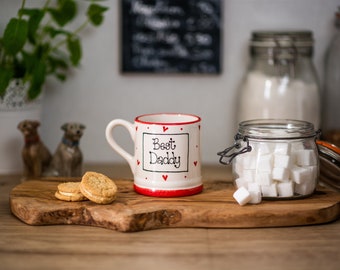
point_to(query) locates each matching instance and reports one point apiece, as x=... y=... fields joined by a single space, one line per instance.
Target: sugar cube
x=264 y=148
x=305 y=157
x=249 y=175
x=269 y=191
x=301 y=174
x=280 y=174
x=285 y=189
x=242 y=196
x=263 y=178
x=249 y=161
x=240 y=182
x=238 y=166
x=282 y=161
x=264 y=163
x=254 y=187
x=305 y=188
x=256 y=197
x=314 y=171
x=282 y=148
x=255 y=193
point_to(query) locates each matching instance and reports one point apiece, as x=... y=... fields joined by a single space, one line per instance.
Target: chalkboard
x=171 y=36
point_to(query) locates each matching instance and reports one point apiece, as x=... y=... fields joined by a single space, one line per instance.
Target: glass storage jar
x=331 y=94
x=281 y=81
x=329 y=157
x=277 y=159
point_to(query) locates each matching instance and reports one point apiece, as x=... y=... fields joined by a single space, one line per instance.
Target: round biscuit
x=98 y=188
x=69 y=191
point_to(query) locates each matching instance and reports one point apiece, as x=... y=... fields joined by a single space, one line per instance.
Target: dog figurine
x=67 y=159
x=35 y=155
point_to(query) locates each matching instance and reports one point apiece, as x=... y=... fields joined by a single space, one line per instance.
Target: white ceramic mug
x=167 y=156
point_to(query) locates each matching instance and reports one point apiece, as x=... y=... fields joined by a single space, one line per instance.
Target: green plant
x=36 y=43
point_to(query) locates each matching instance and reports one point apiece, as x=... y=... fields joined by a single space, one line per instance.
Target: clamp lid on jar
x=282 y=44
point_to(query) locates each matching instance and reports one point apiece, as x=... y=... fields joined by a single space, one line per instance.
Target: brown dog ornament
x=35 y=155
x=68 y=158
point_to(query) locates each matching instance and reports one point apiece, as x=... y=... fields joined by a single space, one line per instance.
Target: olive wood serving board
x=34 y=203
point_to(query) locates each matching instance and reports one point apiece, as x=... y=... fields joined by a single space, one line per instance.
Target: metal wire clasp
x=237 y=145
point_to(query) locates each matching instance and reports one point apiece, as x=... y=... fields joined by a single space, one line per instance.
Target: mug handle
x=109 y=137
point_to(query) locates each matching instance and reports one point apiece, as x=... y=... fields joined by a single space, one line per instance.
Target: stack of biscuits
x=94 y=186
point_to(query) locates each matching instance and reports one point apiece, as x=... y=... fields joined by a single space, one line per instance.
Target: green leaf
x=53 y=32
x=15 y=35
x=5 y=77
x=29 y=61
x=64 y=13
x=34 y=20
x=57 y=63
x=74 y=47
x=42 y=51
x=95 y=14
x=37 y=80
x=61 y=77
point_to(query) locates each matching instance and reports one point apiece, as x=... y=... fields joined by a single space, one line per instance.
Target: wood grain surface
x=34 y=203
x=86 y=247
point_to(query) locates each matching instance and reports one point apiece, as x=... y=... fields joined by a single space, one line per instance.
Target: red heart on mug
x=195 y=163
x=165 y=177
x=138 y=162
x=165 y=128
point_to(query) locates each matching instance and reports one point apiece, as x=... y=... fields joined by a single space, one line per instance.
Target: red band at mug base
x=168 y=193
